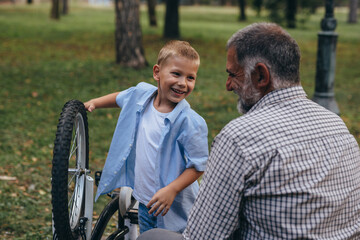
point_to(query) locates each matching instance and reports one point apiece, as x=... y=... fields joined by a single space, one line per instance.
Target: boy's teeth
x=177 y=91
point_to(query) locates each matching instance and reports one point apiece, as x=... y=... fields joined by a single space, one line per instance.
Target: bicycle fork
x=86 y=221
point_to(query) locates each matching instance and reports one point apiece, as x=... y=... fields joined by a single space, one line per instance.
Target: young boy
x=159 y=147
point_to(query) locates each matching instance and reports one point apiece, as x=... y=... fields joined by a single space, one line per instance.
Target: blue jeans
x=146 y=221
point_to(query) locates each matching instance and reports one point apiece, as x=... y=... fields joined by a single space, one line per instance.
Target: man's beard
x=248 y=96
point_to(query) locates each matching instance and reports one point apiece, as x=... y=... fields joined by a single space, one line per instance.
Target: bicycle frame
x=89 y=205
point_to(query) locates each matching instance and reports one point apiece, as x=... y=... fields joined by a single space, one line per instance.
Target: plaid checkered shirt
x=288 y=169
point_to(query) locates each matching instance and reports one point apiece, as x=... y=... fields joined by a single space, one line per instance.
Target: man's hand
x=162 y=201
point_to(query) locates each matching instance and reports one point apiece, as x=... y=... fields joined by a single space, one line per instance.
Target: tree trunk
x=353 y=5
x=55 y=13
x=152 y=14
x=242 y=5
x=29 y=1
x=195 y=2
x=258 y=5
x=65 y=7
x=171 y=29
x=291 y=7
x=128 y=37
x=274 y=6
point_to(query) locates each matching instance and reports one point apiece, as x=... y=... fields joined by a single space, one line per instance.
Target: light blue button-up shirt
x=183 y=145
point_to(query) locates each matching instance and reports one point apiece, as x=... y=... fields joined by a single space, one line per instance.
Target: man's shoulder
x=285 y=123
x=238 y=128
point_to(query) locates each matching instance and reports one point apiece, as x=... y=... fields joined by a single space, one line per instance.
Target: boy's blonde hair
x=180 y=49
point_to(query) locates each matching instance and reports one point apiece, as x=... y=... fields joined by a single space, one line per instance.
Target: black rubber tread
x=59 y=182
x=110 y=209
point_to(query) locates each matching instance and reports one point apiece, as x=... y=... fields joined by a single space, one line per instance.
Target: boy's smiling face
x=176 y=80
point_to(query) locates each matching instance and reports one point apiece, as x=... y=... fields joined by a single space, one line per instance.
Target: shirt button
x=124 y=159
x=115 y=172
x=105 y=184
x=130 y=145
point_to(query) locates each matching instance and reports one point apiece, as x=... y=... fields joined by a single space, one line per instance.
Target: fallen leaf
x=7 y=178
x=28 y=143
x=31 y=187
x=34 y=94
x=42 y=192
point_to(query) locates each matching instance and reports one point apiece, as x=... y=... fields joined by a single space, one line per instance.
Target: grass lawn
x=44 y=63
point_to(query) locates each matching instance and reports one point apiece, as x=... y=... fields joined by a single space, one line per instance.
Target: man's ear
x=261 y=76
x=156 y=72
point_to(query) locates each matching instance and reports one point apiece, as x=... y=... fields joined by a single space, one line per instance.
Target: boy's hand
x=89 y=106
x=162 y=201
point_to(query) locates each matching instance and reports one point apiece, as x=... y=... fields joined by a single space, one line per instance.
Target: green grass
x=44 y=63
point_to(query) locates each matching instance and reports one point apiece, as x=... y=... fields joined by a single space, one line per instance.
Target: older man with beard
x=288 y=168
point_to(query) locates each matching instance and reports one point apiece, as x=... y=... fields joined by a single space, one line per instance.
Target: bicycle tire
x=71 y=149
x=107 y=213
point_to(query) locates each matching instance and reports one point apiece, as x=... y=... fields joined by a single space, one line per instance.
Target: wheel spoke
x=74 y=147
x=79 y=154
x=74 y=142
x=72 y=152
x=71 y=200
x=72 y=177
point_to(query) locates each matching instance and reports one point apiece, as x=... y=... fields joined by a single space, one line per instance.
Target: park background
x=46 y=62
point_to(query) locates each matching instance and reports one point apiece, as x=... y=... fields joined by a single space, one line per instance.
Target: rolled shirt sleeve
x=196 y=145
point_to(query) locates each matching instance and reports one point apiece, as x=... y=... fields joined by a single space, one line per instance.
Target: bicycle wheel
x=110 y=224
x=69 y=167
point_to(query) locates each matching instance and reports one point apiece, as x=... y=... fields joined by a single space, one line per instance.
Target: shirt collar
x=143 y=101
x=279 y=95
x=183 y=104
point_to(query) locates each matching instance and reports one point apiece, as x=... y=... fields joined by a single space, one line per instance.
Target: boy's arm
x=163 y=198
x=107 y=101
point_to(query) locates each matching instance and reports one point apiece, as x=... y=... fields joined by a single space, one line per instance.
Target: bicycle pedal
x=132 y=214
x=97 y=177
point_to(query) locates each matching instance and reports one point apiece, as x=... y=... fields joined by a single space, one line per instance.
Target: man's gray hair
x=270 y=44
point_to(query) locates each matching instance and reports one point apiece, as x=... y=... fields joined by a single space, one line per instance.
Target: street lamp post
x=325 y=65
